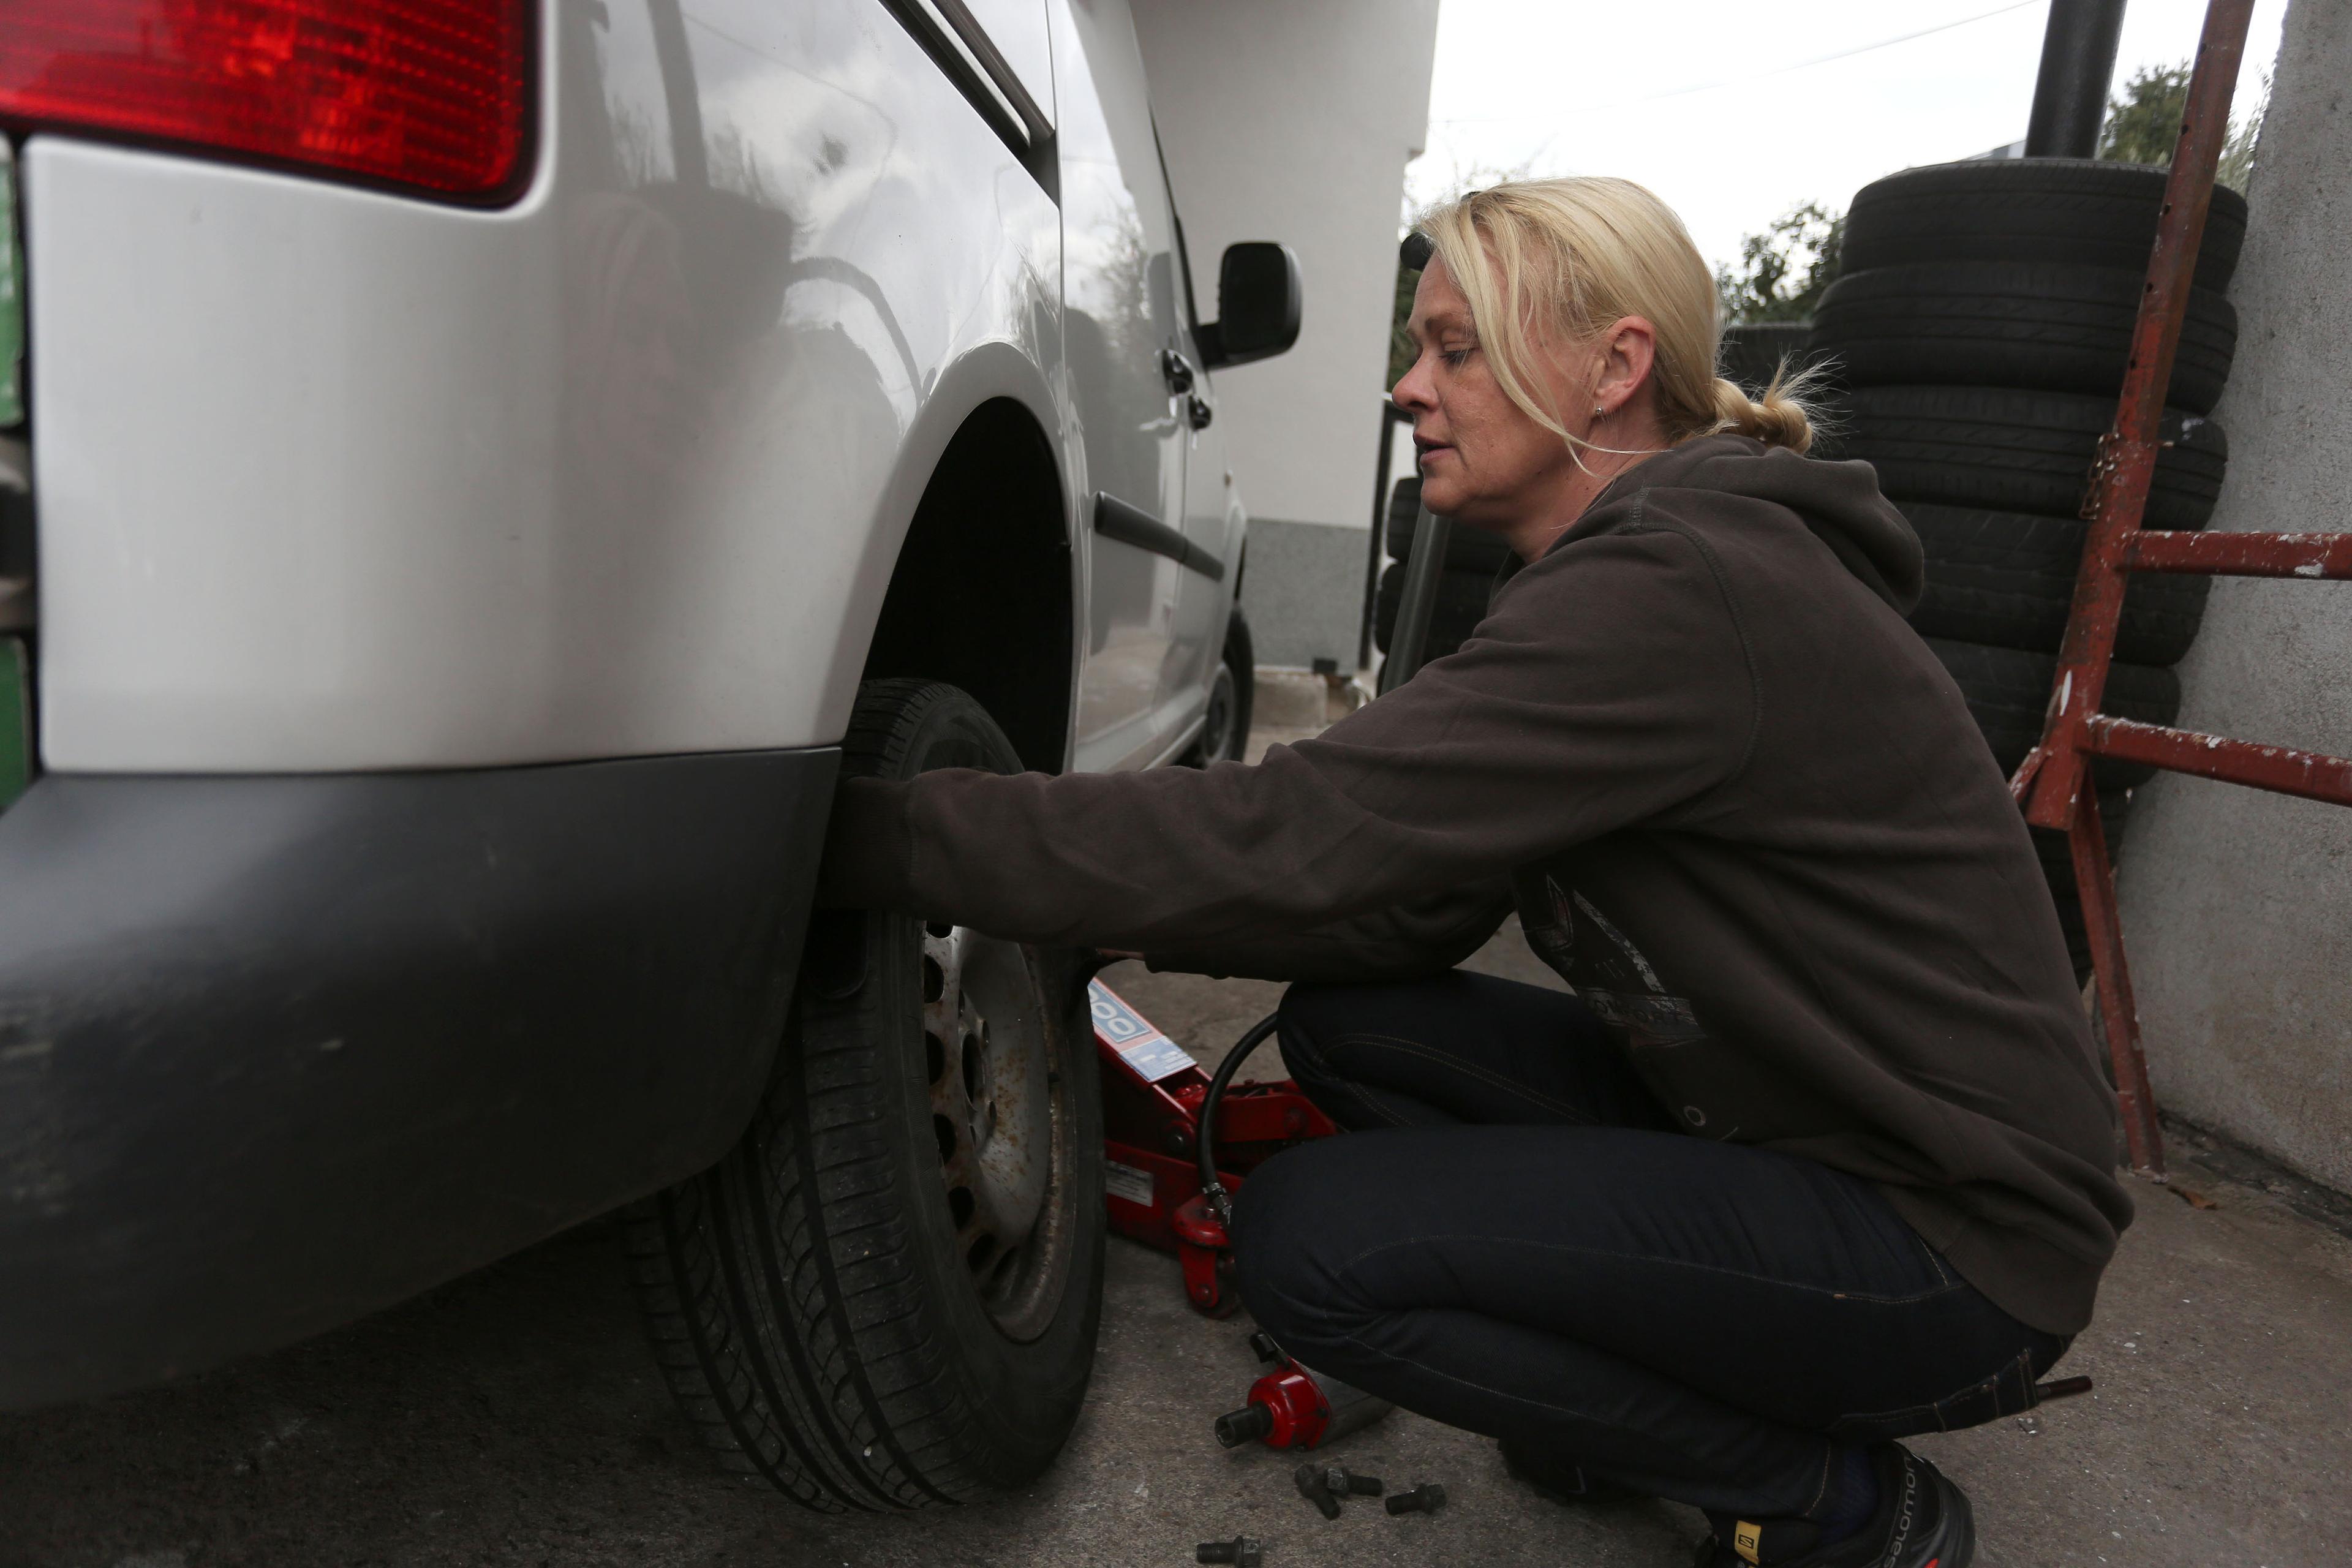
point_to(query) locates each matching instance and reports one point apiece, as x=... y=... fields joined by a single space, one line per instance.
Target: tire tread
x=779 y=1289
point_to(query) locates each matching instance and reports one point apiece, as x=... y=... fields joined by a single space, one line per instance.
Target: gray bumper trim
x=276 y=1051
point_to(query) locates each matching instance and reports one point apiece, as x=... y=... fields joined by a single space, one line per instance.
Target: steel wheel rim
x=998 y=1124
x=1217 y=726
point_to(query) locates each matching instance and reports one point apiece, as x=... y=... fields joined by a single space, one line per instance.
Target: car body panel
x=622 y=470
x=1118 y=243
x=279 y=1050
x=447 y=615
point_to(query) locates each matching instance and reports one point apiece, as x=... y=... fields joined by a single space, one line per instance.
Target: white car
x=471 y=457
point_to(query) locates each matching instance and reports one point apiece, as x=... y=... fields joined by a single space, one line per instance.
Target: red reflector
x=428 y=93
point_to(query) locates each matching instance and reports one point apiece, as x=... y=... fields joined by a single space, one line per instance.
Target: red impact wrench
x=1292 y=1407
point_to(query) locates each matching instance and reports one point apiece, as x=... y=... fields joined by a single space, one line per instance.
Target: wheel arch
x=974 y=576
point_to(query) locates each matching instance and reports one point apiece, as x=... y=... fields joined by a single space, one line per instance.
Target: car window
x=1114 y=204
x=1017 y=29
x=1191 y=321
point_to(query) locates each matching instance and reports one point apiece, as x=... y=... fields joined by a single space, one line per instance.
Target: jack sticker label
x=1128 y=1182
x=1151 y=1055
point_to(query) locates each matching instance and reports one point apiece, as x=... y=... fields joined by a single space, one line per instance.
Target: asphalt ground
x=513 y=1416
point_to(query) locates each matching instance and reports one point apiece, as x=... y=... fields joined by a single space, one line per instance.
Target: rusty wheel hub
x=993 y=1114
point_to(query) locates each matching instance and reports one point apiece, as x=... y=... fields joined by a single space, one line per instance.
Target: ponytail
x=1780 y=417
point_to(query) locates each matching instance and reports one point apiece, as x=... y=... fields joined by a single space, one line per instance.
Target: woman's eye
x=1458 y=358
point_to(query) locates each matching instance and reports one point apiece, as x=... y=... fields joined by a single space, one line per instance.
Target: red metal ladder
x=2051 y=781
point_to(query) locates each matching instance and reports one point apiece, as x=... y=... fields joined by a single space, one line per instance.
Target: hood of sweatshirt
x=1838 y=502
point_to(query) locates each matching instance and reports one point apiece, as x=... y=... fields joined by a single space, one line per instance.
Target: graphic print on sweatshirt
x=1714 y=1088
x=1612 y=977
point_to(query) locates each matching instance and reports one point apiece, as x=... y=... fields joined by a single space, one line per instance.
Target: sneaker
x=1923 y=1521
x=1561 y=1480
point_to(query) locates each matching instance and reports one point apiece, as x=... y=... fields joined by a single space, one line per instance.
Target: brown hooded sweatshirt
x=1738 y=806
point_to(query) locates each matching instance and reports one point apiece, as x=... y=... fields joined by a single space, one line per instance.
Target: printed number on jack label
x=1153 y=1055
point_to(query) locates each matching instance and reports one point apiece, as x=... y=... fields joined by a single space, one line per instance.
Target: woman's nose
x=1414 y=390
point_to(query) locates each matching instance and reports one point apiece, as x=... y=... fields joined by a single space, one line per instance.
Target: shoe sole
x=1954 y=1544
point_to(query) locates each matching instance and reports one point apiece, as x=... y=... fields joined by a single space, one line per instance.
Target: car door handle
x=1177 y=371
x=1199 y=413
x=1130 y=524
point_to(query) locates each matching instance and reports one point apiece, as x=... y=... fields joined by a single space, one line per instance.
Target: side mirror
x=1258 y=301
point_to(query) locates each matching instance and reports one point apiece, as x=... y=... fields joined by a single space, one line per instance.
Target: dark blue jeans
x=1514 y=1238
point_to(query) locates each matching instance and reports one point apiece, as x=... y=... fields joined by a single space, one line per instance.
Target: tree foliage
x=2143 y=124
x=2144 y=120
x=1467 y=179
x=1783 y=271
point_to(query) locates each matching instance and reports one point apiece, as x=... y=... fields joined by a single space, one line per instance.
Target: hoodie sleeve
x=1403 y=941
x=1610 y=683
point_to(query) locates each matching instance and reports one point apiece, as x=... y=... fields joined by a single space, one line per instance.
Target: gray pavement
x=513 y=1416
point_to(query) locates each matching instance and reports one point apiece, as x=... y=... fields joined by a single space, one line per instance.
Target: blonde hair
x=1545 y=262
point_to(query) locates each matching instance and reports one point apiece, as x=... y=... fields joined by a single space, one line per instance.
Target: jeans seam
x=1829 y=1461
x=1308 y=1048
x=1347 y=1265
x=1469 y=1069
x=1937 y=1406
x=1513 y=1397
x=1364 y=1098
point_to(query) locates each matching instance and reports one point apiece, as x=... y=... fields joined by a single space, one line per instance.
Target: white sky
x=1566 y=87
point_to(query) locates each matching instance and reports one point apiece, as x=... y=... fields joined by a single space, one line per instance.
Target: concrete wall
x=1295 y=122
x=2237 y=905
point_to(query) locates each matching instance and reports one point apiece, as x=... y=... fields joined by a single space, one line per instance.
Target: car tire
x=2057 y=857
x=2077 y=212
x=2008 y=693
x=828 y=1310
x=2007 y=580
x=1404 y=511
x=1233 y=691
x=2058 y=869
x=2021 y=451
x=2078 y=942
x=1754 y=352
x=1461 y=604
x=1470 y=550
x=2034 y=327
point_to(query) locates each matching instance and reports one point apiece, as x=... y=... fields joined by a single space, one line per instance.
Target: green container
x=15 y=721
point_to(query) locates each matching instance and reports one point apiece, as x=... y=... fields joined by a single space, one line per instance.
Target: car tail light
x=425 y=93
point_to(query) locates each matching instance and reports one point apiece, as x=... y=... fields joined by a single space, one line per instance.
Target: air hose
x=1220 y=1201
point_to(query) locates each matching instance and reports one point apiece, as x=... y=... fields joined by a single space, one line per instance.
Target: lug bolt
x=1325 y=1485
x=1314 y=1485
x=1427 y=1498
x=1241 y=1551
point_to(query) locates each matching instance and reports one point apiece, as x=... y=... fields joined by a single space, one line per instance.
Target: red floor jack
x=1171 y=1188
x=1163 y=1187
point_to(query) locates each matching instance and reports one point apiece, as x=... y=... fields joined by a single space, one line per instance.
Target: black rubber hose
x=1209 y=1102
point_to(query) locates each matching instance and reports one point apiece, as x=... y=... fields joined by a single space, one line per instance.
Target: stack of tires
x=1754 y=351
x=1979 y=331
x=1473 y=559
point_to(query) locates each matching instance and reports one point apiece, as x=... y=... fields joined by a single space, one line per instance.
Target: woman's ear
x=1628 y=351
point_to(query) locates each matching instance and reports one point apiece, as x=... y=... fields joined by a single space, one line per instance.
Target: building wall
x=2237 y=904
x=1295 y=122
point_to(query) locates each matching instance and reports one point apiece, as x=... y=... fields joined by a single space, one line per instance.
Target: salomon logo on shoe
x=1922 y=1520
